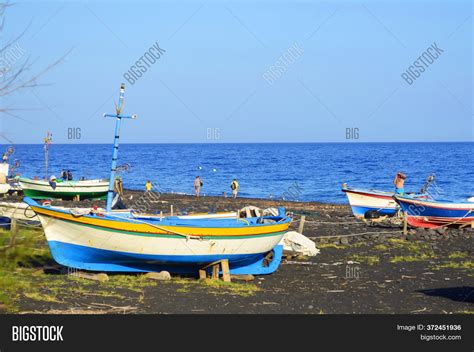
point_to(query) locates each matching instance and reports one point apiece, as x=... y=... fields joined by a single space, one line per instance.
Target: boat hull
x=38 y=189
x=362 y=201
x=432 y=214
x=19 y=211
x=89 y=258
x=98 y=244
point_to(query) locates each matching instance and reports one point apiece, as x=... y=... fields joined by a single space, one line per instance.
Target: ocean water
x=302 y=172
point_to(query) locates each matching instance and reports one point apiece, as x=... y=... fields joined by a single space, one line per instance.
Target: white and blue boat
x=101 y=240
x=126 y=242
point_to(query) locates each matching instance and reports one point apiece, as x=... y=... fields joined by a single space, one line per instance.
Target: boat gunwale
x=99 y=183
x=166 y=229
x=371 y=192
x=449 y=205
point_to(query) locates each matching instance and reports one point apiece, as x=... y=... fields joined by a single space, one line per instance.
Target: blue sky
x=347 y=73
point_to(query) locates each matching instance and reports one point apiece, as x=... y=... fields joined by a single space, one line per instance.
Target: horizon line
x=211 y=143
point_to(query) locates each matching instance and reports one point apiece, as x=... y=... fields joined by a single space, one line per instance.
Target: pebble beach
x=361 y=268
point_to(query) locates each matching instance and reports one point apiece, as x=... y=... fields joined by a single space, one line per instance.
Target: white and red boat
x=435 y=213
x=365 y=200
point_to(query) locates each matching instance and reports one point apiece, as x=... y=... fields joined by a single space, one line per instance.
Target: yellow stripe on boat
x=151 y=229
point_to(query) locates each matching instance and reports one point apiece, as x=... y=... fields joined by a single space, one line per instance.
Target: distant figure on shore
x=117 y=201
x=63 y=175
x=148 y=186
x=118 y=186
x=197 y=185
x=235 y=188
x=399 y=182
x=69 y=175
x=52 y=182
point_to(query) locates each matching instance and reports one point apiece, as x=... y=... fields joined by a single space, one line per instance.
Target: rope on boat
x=24 y=212
x=356 y=234
x=329 y=222
x=456 y=221
x=24 y=224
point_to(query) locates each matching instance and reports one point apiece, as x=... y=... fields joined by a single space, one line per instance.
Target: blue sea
x=302 y=172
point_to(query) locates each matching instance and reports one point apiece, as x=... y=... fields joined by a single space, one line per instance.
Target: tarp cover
x=296 y=242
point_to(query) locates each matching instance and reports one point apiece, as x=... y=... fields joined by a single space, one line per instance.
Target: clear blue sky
x=348 y=75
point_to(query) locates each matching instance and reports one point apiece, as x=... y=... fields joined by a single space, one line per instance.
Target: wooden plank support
x=301 y=226
x=14 y=231
x=217 y=266
x=405 y=223
x=215 y=271
x=225 y=270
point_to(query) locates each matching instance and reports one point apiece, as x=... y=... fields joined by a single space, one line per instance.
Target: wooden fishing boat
x=17 y=210
x=363 y=201
x=129 y=243
x=87 y=189
x=4 y=186
x=435 y=213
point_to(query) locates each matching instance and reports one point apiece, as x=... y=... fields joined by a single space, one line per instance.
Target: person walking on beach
x=148 y=186
x=399 y=182
x=234 y=186
x=197 y=185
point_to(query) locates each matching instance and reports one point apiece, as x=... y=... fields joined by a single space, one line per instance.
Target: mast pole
x=118 y=119
x=47 y=142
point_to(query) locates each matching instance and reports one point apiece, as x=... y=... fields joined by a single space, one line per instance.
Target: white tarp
x=296 y=242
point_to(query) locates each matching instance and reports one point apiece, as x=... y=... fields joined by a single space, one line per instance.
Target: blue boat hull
x=360 y=211
x=420 y=210
x=87 y=258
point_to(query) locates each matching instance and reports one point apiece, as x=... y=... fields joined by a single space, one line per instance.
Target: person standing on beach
x=197 y=185
x=148 y=186
x=399 y=182
x=235 y=188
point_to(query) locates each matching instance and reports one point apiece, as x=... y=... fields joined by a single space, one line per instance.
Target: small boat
x=4 y=188
x=4 y=185
x=129 y=242
x=87 y=189
x=17 y=210
x=429 y=213
x=62 y=188
x=363 y=201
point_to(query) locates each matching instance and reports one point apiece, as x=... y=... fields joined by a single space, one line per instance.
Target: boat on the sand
x=364 y=201
x=4 y=185
x=128 y=242
x=111 y=242
x=84 y=189
x=430 y=213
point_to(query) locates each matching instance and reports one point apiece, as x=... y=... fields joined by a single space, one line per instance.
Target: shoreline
x=205 y=201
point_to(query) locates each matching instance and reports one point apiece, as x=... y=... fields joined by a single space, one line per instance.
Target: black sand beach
x=361 y=269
